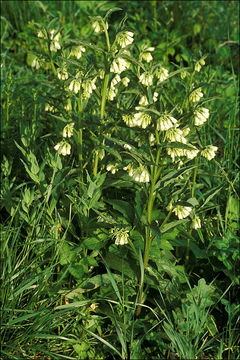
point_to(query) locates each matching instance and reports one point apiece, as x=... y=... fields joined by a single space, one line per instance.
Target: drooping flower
x=101 y=73
x=146 y=79
x=143 y=101
x=124 y=38
x=35 y=63
x=125 y=81
x=112 y=168
x=127 y=146
x=142 y=120
x=191 y=154
x=68 y=130
x=175 y=152
x=55 y=38
x=151 y=139
x=165 y=122
x=182 y=211
x=50 y=108
x=96 y=26
x=209 y=152
x=200 y=116
x=68 y=106
x=183 y=74
x=63 y=148
x=155 y=96
x=196 y=95
x=161 y=73
x=119 y=65
x=146 y=53
x=112 y=93
x=121 y=236
x=77 y=51
x=174 y=134
x=199 y=65
x=88 y=87
x=196 y=223
x=75 y=85
x=139 y=174
x=115 y=80
x=170 y=205
x=62 y=73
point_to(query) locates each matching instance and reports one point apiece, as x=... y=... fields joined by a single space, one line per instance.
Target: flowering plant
x=139 y=130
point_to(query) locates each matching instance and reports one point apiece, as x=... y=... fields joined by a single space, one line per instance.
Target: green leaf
x=77 y=270
x=117 y=263
x=112 y=151
x=123 y=207
x=198 y=253
x=172 y=225
x=171 y=177
x=93 y=243
x=66 y=253
x=213 y=192
x=32 y=176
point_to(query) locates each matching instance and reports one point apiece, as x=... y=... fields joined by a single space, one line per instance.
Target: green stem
x=53 y=66
x=188 y=248
x=148 y=239
x=194 y=176
x=166 y=219
x=107 y=37
x=102 y=114
x=154 y=6
x=79 y=140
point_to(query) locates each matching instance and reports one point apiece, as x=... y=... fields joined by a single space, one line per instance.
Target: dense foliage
x=120 y=180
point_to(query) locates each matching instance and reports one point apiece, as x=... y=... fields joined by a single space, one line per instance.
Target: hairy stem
x=148 y=239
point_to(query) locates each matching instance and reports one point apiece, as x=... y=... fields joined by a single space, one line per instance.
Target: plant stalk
x=149 y=237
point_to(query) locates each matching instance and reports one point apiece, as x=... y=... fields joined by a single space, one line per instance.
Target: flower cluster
x=36 y=63
x=174 y=134
x=200 y=116
x=68 y=130
x=165 y=122
x=121 y=236
x=146 y=53
x=119 y=65
x=146 y=79
x=62 y=73
x=139 y=174
x=63 y=148
x=75 y=85
x=77 y=51
x=113 y=91
x=68 y=106
x=196 y=95
x=199 y=64
x=139 y=119
x=124 y=38
x=88 y=87
x=98 y=26
x=161 y=73
x=50 y=108
x=209 y=152
x=196 y=223
x=182 y=211
x=55 y=38
x=125 y=81
x=112 y=168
